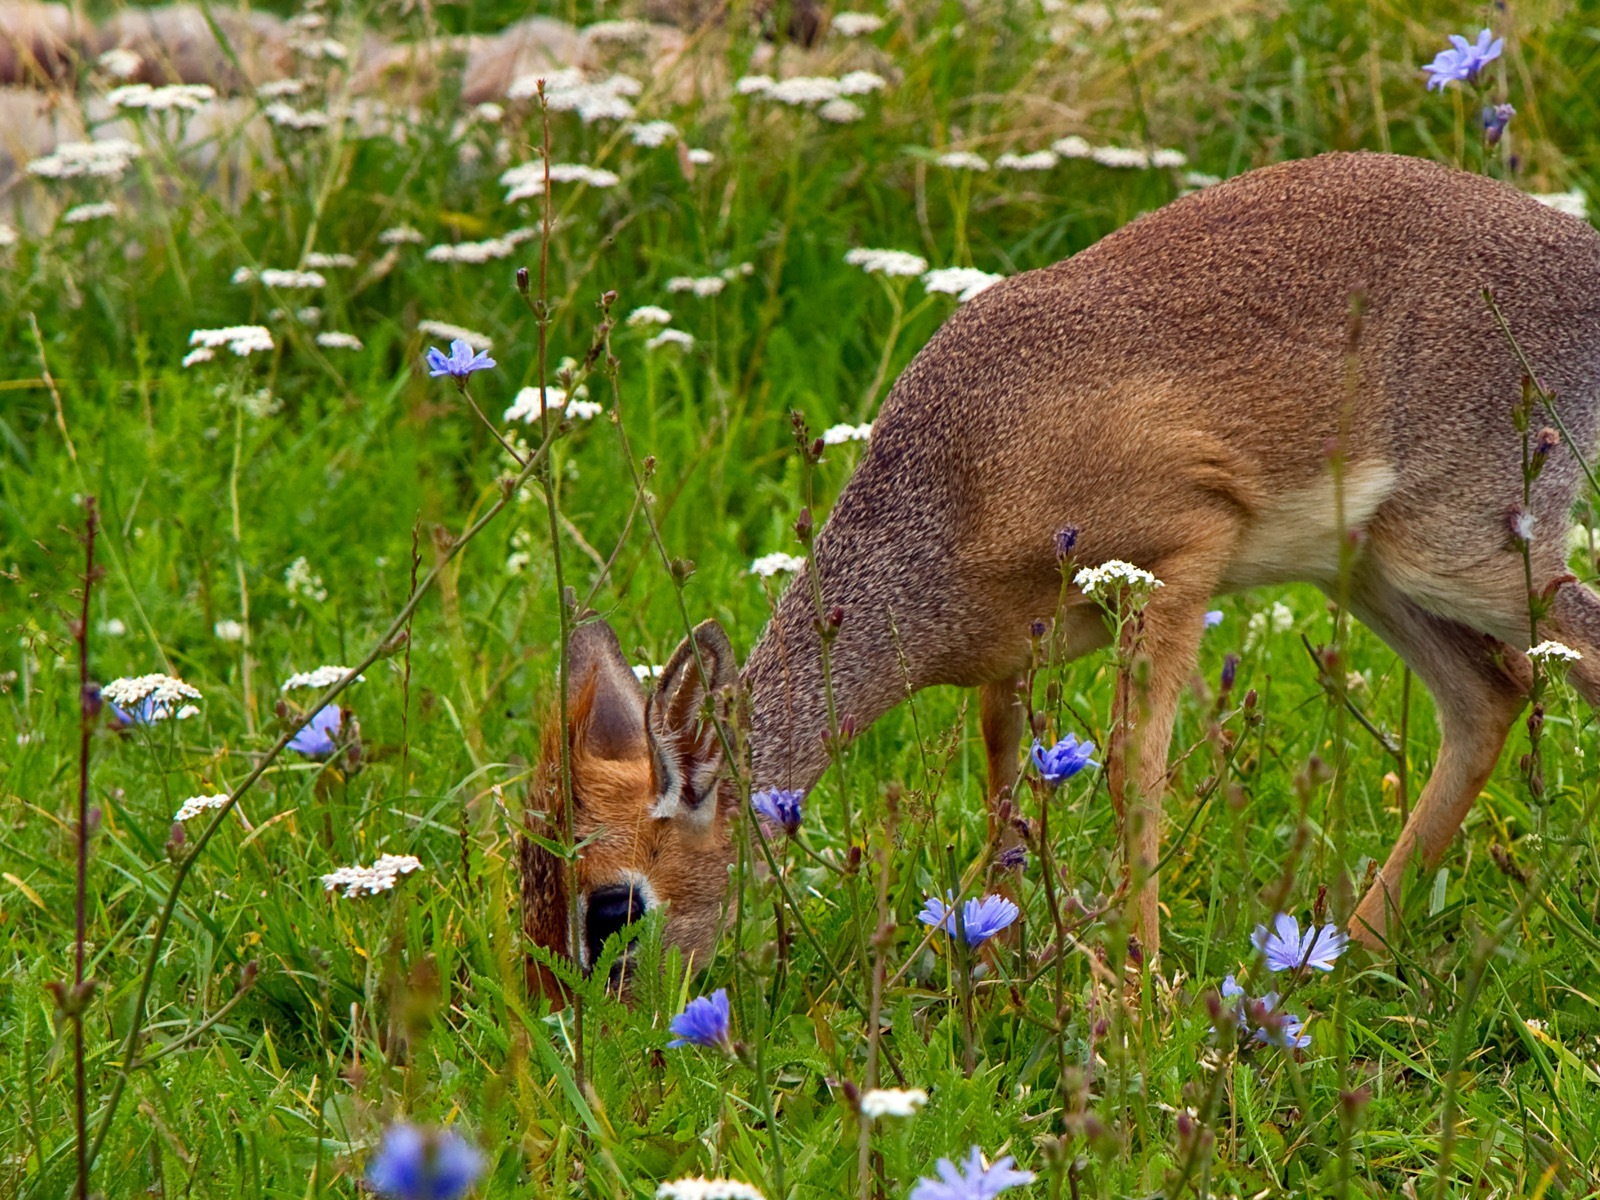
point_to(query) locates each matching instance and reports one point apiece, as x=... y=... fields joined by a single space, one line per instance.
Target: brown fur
x=1172 y=392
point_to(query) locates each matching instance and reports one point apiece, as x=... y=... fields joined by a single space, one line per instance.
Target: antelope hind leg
x=1001 y=717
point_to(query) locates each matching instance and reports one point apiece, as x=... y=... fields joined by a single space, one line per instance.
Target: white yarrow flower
x=707 y=1189
x=195 y=805
x=320 y=260
x=107 y=159
x=961 y=282
x=153 y=697
x=769 y=565
x=962 y=160
x=649 y=314
x=892 y=1102
x=1039 y=160
x=302 y=583
x=855 y=24
x=334 y=340
x=836 y=435
x=1106 y=580
x=886 y=262
x=700 y=285
x=399 y=235
x=651 y=134
x=319 y=679
x=80 y=213
x=526 y=407
x=451 y=333
x=241 y=339
x=185 y=97
x=671 y=337
x=1548 y=653
x=841 y=111
x=381 y=876
x=228 y=630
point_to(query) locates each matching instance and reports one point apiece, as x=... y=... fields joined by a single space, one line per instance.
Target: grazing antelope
x=1172 y=393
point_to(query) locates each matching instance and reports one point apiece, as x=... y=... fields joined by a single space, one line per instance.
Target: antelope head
x=646 y=806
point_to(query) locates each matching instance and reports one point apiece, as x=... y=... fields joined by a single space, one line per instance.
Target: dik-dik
x=1173 y=393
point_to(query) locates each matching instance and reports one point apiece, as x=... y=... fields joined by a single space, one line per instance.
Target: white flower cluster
x=855 y=24
x=671 y=337
x=962 y=160
x=1548 y=653
x=228 y=630
x=81 y=213
x=1105 y=581
x=1119 y=156
x=1039 y=160
x=381 y=876
x=158 y=696
x=707 y=1189
x=961 y=282
x=526 y=181
x=400 y=235
x=621 y=31
x=241 y=339
x=333 y=339
x=1279 y=620
x=322 y=677
x=195 y=805
x=700 y=285
x=571 y=90
x=319 y=260
x=107 y=159
x=886 y=262
x=8 y=236
x=769 y=565
x=302 y=583
x=836 y=435
x=287 y=116
x=451 y=333
x=527 y=409
x=185 y=97
x=277 y=89
x=810 y=90
x=120 y=63
x=283 y=280
x=892 y=1102
x=651 y=134
x=649 y=314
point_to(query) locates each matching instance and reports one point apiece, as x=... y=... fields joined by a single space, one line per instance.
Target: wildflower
x=1495 y=118
x=703 y=1022
x=836 y=435
x=381 y=876
x=302 y=584
x=974 y=1181
x=1063 y=760
x=241 y=339
x=8 y=236
x=522 y=552
x=1286 y=950
x=1213 y=618
x=1522 y=522
x=855 y=24
x=1102 y=582
x=78 y=214
x=1012 y=858
x=146 y=699
x=769 y=565
x=648 y=314
x=573 y=91
x=527 y=181
x=278 y=89
x=861 y=83
x=334 y=340
x=443 y=329
x=618 y=31
x=1072 y=146
x=527 y=408
x=283 y=280
x=286 y=116
x=783 y=808
x=651 y=134
x=702 y=286
x=1262 y=1017
x=1199 y=179
x=120 y=63
x=886 y=262
x=107 y=159
x=1548 y=654
x=399 y=235
x=961 y=160
x=961 y=282
x=1574 y=203
x=671 y=337
x=1039 y=160
x=472 y=252
x=195 y=805
x=980 y=919
x=840 y=111
x=319 y=679
x=325 y=261
x=228 y=631
x=1465 y=61
x=460 y=362
x=1132 y=157
x=707 y=1189
x=700 y=157
x=113 y=627
x=319 y=738
x=892 y=1102
x=185 y=97
x=424 y=1164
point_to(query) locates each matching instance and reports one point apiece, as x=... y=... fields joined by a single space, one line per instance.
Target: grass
x=213 y=480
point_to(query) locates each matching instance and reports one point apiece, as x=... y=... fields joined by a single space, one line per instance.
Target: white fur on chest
x=1296 y=536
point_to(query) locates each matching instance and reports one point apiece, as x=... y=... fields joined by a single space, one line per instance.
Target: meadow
x=289 y=492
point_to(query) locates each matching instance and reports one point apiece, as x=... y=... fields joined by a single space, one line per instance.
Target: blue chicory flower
x=704 y=1021
x=459 y=363
x=1063 y=760
x=1495 y=119
x=1465 y=61
x=980 y=919
x=1213 y=618
x=319 y=739
x=1266 y=1024
x=972 y=1181
x=783 y=808
x=424 y=1164
x=1286 y=950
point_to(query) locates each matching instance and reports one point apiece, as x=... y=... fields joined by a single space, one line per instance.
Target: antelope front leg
x=1001 y=717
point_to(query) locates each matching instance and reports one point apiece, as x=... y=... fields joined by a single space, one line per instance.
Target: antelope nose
x=611 y=908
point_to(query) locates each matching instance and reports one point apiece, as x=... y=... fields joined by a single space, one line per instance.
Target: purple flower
x=980 y=919
x=424 y=1164
x=319 y=739
x=1230 y=671
x=1266 y=1024
x=1465 y=61
x=1063 y=760
x=1066 y=539
x=703 y=1022
x=1213 y=618
x=1495 y=119
x=973 y=1181
x=459 y=363
x=1286 y=950
x=780 y=807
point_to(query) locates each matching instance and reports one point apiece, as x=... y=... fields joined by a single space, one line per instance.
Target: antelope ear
x=685 y=751
x=605 y=703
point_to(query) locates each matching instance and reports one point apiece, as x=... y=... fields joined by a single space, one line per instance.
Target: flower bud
x=90 y=700
x=523 y=285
